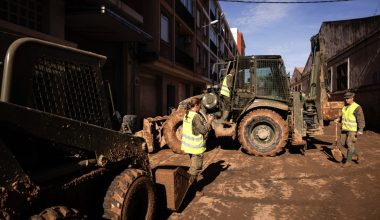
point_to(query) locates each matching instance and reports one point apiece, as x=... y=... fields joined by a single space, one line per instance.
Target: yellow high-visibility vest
x=348 y=117
x=225 y=90
x=191 y=144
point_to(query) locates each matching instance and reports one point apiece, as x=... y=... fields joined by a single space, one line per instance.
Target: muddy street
x=288 y=186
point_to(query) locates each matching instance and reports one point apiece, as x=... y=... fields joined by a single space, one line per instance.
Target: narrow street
x=288 y=186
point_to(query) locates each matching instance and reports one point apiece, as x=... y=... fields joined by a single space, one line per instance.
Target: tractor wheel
x=263 y=132
x=58 y=212
x=131 y=195
x=173 y=131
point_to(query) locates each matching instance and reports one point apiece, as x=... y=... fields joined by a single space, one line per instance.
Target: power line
x=286 y=2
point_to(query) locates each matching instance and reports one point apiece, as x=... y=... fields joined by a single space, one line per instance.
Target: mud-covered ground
x=288 y=186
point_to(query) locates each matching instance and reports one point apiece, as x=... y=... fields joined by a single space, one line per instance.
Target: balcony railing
x=213 y=47
x=184 y=14
x=184 y=59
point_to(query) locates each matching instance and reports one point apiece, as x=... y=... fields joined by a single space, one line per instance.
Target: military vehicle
x=264 y=114
x=60 y=155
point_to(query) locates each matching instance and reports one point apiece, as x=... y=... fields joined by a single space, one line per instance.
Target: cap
x=348 y=95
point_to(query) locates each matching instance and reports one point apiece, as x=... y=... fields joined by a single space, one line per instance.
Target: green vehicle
x=264 y=115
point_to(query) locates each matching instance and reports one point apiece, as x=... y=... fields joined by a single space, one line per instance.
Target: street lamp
x=211 y=23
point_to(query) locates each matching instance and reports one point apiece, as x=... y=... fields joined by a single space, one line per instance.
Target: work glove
x=359 y=133
x=336 y=121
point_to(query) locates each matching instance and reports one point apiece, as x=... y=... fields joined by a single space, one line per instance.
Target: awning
x=104 y=24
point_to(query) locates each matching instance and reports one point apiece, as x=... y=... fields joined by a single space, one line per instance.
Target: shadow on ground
x=209 y=175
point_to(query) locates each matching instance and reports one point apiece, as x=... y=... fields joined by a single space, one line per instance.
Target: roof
x=299 y=69
x=338 y=35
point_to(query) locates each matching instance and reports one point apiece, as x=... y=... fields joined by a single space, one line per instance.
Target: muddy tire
x=173 y=131
x=58 y=213
x=131 y=195
x=263 y=132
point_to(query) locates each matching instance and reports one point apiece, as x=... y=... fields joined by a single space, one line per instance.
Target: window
x=25 y=13
x=198 y=18
x=164 y=28
x=328 y=79
x=243 y=79
x=342 y=76
x=213 y=7
x=213 y=36
x=188 y=5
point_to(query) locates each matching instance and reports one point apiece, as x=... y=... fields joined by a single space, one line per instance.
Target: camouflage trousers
x=226 y=102
x=195 y=164
x=348 y=140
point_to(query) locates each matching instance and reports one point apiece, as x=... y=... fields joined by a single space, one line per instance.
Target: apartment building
x=188 y=37
x=239 y=40
x=158 y=51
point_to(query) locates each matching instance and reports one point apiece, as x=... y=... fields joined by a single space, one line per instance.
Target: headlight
x=210 y=100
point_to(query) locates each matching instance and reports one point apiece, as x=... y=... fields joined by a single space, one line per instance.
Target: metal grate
x=67 y=89
x=271 y=79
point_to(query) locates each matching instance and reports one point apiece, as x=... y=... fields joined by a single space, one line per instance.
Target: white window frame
x=347 y=60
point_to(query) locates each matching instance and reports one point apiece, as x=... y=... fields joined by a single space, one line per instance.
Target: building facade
x=239 y=40
x=296 y=82
x=188 y=37
x=350 y=61
x=158 y=52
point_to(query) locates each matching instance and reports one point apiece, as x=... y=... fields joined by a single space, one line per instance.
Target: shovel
x=337 y=154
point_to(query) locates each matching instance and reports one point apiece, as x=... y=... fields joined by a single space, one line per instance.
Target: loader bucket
x=172 y=185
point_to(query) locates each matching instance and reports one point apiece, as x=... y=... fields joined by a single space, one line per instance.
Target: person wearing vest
x=225 y=92
x=353 y=123
x=194 y=131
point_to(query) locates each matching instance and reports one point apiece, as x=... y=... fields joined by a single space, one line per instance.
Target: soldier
x=226 y=93
x=194 y=132
x=353 y=123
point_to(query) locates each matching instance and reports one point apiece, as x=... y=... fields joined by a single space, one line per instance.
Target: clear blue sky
x=286 y=29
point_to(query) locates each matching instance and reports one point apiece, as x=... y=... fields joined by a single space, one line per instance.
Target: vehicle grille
x=67 y=89
x=271 y=81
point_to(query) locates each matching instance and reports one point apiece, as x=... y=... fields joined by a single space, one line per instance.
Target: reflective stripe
x=225 y=90
x=192 y=138
x=191 y=144
x=349 y=118
x=184 y=143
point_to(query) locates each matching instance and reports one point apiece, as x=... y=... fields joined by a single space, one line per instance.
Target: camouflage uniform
x=226 y=101
x=199 y=126
x=348 y=138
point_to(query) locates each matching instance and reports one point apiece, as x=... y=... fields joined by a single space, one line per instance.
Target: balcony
x=184 y=14
x=165 y=50
x=184 y=59
x=213 y=47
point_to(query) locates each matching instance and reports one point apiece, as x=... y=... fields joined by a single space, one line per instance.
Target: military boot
x=359 y=157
